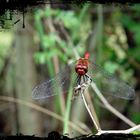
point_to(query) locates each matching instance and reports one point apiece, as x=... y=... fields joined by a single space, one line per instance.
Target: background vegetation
x=54 y=35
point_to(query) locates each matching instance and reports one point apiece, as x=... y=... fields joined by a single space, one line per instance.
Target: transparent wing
x=109 y=83
x=57 y=85
x=106 y=82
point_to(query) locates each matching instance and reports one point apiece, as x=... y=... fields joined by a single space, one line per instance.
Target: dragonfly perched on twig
x=84 y=72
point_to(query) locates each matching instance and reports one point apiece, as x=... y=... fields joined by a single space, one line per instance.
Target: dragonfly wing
x=110 y=84
x=56 y=85
x=45 y=89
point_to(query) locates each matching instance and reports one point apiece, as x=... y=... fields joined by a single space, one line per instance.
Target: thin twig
x=61 y=97
x=86 y=105
x=109 y=107
x=90 y=102
x=83 y=126
x=127 y=131
x=41 y=109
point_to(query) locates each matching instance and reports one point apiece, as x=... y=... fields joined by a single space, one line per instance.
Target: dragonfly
x=82 y=73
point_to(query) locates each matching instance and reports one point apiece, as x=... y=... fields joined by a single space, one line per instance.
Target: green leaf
x=48 y=12
x=136 y=117
x=40 y=57
x=111 y=66
x=69 y=19
x=134 y=53
x=49 y=40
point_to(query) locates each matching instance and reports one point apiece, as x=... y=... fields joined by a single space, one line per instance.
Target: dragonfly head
x=81 y=71
x=81 y=67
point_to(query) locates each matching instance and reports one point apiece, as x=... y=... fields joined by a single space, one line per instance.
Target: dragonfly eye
x=81 y=71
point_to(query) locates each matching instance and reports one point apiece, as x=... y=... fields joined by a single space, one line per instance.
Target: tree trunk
x=29 y=122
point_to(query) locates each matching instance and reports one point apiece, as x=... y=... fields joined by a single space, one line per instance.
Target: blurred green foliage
x=94 y=29
x=110 y=34
x=73 y=22
x=5 y=42
x=52 y=42
x=131 y=22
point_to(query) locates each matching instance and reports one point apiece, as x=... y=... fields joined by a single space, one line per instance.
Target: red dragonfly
x=84 y=72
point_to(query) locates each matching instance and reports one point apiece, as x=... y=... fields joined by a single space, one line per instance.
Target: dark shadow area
x=56 y=136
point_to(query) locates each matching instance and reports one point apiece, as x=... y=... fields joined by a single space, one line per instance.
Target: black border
x=23 y=6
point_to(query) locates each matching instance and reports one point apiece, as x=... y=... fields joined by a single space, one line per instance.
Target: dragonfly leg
x=78 y=80
x=88 y=78
x=82 y=83
x=86 y=82
x=77 y=88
